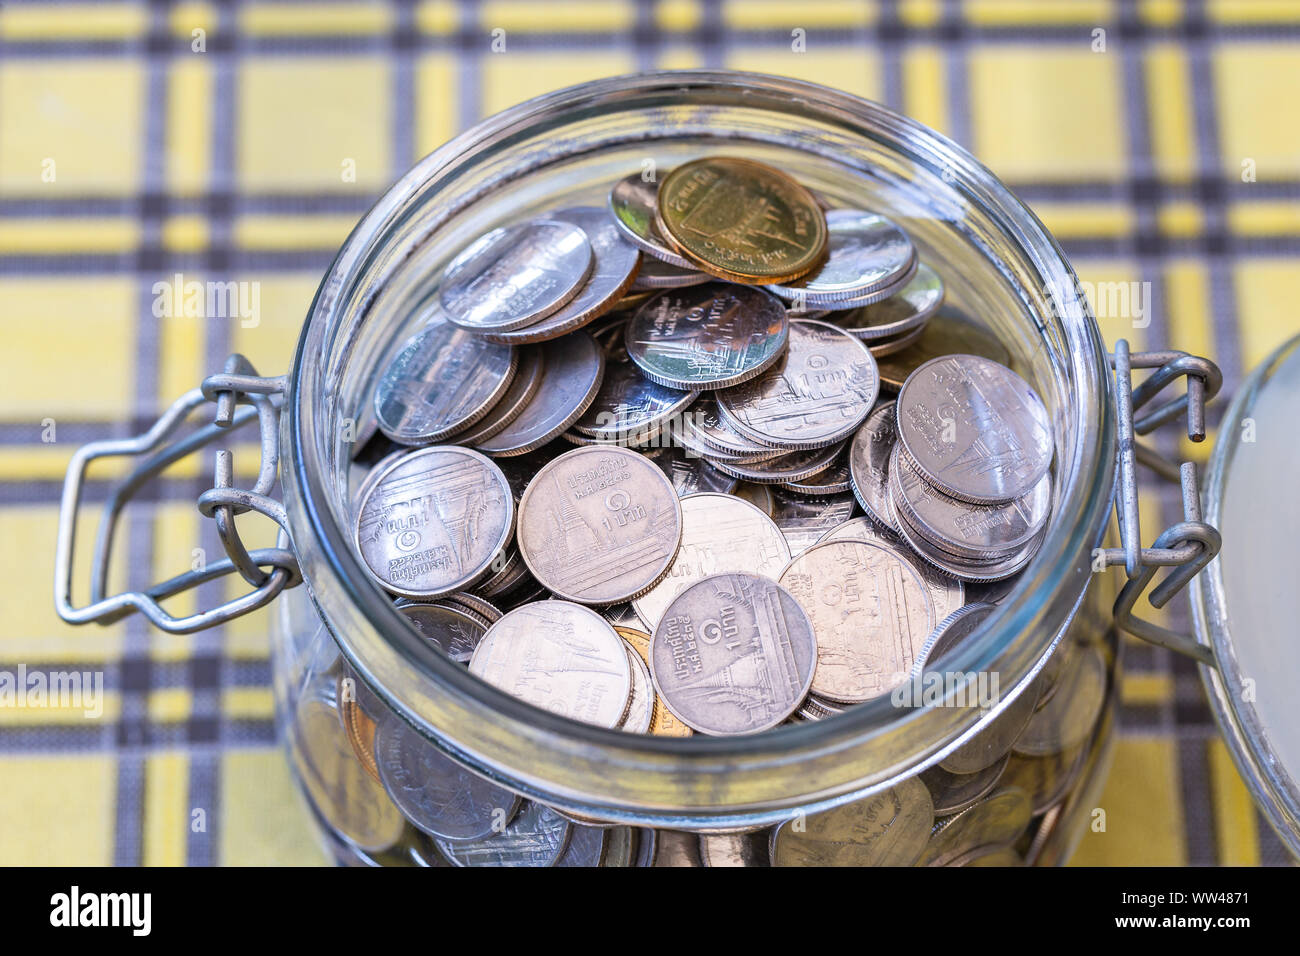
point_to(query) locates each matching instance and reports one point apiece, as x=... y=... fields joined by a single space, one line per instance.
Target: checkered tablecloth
x=1160 y=141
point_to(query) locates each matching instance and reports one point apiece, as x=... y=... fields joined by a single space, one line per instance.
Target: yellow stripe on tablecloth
x=1267 y=292
x=1146 y=689
x=92 y=710
x=843 y=67
x=73 y=21
x=315 y=19
x=437 y=79
x=264 y=822
x=1236 y=831
x=920 y=13
x=1264 y=217
x=1171 y=115
x=1023 y=12
x=1069 y=220
x=925 y=89
x=1252 y=11
x=188 y=16
x=1258 y=113
x=1161 y=13
x=809 y=14
x=1180 y=219
x=1143 y=806
x=265 y=232
x=573 y=16
x=513 y=76
x=190 y=86
x=45 y=236
x=57 y=810
x=437 y=16
x=167 y=813
x=247 y=703
x=677 y=15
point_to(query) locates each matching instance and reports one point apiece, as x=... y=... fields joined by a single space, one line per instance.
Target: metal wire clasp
x=240 y=396
x=1188 y=546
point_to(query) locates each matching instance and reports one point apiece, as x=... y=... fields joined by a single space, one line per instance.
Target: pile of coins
x=617 y=471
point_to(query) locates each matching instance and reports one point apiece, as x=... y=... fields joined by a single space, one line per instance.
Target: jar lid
x=1246 y=604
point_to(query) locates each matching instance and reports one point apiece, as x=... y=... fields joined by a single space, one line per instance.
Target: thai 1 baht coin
x=903 y=312
x=632 y=202
x=441 y=381
x=538 y=836
x=516 y=275
x=662 y=721
x=869 y=463
x=690 y=474
x=867 y=256
x=709 y=336
x=523 y=387
x=889 y=828
x=629 y=407
x=733 y=654
x=818 y=393
x=599 y=525
x=996 y=820
x=640 y=708
x=433 y=521
x=452 y=628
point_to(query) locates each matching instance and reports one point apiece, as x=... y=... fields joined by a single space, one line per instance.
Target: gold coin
x=662 y=722
x=741 y=220
x=361 y=734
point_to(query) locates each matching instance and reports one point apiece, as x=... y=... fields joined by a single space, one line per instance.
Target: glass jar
x=340 y=640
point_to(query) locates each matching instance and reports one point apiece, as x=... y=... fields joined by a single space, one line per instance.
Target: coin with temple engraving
x=437 y=794
x=818 y=393
x=538 y=836
x=599 y=525
x=708 y=336
x=572 y=369
x=454 y=630
x=871 y=614
x=433 y=521
x=441 y=381
x=516 y=275
x=866 y=256
x=889 y=828
x=974 y=429
x=803 y=519
x=633 y=201
x=616 y=263
x=719 y=533
x=523 y=387
x=630 y=407
x=558 y=656
x=733 y=654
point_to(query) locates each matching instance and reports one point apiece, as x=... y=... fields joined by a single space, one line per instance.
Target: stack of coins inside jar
x=707 y=460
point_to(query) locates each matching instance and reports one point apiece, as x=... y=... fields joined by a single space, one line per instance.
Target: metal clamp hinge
x=1187 y=546
x=240 y=396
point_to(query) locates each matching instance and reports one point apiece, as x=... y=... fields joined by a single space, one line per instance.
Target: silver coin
x=437 y=794
x=869 y=463
x=537 y=836
x=651 y=437
x=337 y=785
x=523 y=387
x=655 y=274
x=865 y=254
x=434 y=520
x=871 y=613
x=971 y=571
x=814 y=708
x=474 y=604
x=803 y=519
x=901 y=313
x=889 y=828
x=735 y=849
x=629 y=406
x=441 y=381
x=572 y=369
x=632 y=202
x=879 y=294
x=733 y=654
x=640 y=708
x=719 y=533
x=622 y=615
x=974 y=429
x=952 y=629
x=1067 y=718
x=947 y=593
x=702 y=431
x=954 y=792
x=818 y=393
x=994 y=821
x=972 y=531
x=689 y=474
x=599 y=525
x=782 y=469
x=616 y=263
x=454 y=630
x=558 y=656
x=516 y=275
x=760 y=496
x=710 y=336
x=880 y=348
x=833 y=481
x=586 y=846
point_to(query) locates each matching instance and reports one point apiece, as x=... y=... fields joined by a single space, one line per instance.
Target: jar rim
x=701 y=780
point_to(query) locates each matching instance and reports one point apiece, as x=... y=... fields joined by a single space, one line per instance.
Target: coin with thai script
x=538 y=836
x=453 y=629
x=905 y=311
x=433 y=521
x=523 y=387
x=558 y=656
x=599 y=525
x=629 y=407
x=689 y=474
x=889 y=828
x=437 y=794
x=741 y=220
x=974 y=429
x=867 y=256
x=870 y=612
x=869 y=463
x=572 y=369
x=818 y=393
x=633 y=201
x=719 y=533
x=616 y=263
x=996 y=820
x=708 y=336
x=733 y=654
x=662 y=721
x=516 y=275
x=442 y=380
